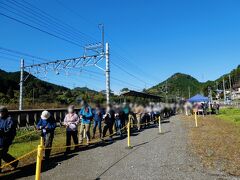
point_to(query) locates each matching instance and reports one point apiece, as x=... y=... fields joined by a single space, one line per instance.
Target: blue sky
x=149 y=39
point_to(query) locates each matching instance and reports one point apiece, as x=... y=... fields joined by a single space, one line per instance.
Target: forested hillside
x=41 y=93
x=181 y=84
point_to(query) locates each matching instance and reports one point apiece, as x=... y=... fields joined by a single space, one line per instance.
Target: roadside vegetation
x=216 y=141
x=230 y=114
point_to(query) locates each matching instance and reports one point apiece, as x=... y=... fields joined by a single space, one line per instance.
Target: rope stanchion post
x=159 y=125
x=39 y=160
x=196 y=120
x=128 y=133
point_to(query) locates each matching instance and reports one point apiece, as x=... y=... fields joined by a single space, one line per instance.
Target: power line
x=23 y=54
x=121 y=58
x=39 y=22
x=114 y=78
x=47 y=20
x=44 y=31
x=128 y=61
x=56 y=19
x=30 y=60
x=59 y=22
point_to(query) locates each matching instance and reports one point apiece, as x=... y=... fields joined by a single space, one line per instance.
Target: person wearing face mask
x=71 y=122
x=7 y=134
x=86 y=118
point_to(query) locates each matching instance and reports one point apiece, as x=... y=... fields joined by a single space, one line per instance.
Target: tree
x=124 y=89
x=10 y=92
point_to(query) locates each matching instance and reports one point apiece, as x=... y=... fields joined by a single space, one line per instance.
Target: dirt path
x=153 y=157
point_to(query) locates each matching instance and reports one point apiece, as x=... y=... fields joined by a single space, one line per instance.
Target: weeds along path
x=217 y=143
x=153 y=156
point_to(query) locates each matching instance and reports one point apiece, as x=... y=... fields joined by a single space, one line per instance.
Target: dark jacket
x=47 y=126
x=110 y=117
x=7 y=131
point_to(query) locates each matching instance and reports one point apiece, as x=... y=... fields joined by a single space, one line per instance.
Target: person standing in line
x=97 y=117
x=71 y=122
x=47 y=126
x=7 y=134
x=86 y=117
x=126 y=110
x=109 y=119
x=139 y=110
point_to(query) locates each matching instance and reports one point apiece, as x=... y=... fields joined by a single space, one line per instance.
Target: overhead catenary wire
x=43 y=21
x=114 y=78
x=124 y=70
x=16 y=58
x=65 y=38
x=125 y=60
x=58 y=21
x=39 y=29
x=33 y=57
x=120 y=57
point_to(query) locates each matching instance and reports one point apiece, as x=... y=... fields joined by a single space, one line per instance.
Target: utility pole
x=224 y=92
x=79 y=62
x=33 y=97
x=189 y=92
x=230 y=86
x=107 y=74
x=21 y=85
x=166 y=91
x=210 y=94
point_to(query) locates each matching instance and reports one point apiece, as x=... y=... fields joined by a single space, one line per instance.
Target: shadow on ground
x=135 y=147
x=58 y=158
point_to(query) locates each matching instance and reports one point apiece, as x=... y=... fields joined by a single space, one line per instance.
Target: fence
x=40 y=148
x=29 y=118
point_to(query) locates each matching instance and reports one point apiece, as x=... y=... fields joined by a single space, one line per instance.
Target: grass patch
x=22 y=145
x=230 y=114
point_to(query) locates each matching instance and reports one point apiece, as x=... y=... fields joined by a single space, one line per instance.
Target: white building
x=236 y=94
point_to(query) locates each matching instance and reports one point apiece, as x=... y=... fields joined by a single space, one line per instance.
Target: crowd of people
x=203 y=108
x=76 y=123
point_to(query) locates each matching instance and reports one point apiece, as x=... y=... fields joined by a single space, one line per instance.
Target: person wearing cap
x=47 y=126
x=71 y=122
x=7 y=134
x=86 y=117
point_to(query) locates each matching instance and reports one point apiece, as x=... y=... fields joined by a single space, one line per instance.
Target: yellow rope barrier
x=144 y=123
x=19 y=158
x=19 y=137
x=92 y=142
x=61 y=147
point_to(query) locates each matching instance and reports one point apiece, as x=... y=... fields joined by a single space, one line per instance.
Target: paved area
x=153 y=156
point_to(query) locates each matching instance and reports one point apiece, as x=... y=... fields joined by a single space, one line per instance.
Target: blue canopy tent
x=198 y=98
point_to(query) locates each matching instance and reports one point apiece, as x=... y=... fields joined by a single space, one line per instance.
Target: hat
x=3 y=109
x=45 y=115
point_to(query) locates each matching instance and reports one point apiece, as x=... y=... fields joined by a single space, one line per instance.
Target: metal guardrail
x=29 y=118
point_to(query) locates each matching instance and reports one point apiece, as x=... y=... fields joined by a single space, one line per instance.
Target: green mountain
x=40 y=93
x=179 y=85
x=41 y=90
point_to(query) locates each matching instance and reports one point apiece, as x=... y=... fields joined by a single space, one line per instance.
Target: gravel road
x=153 y=156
